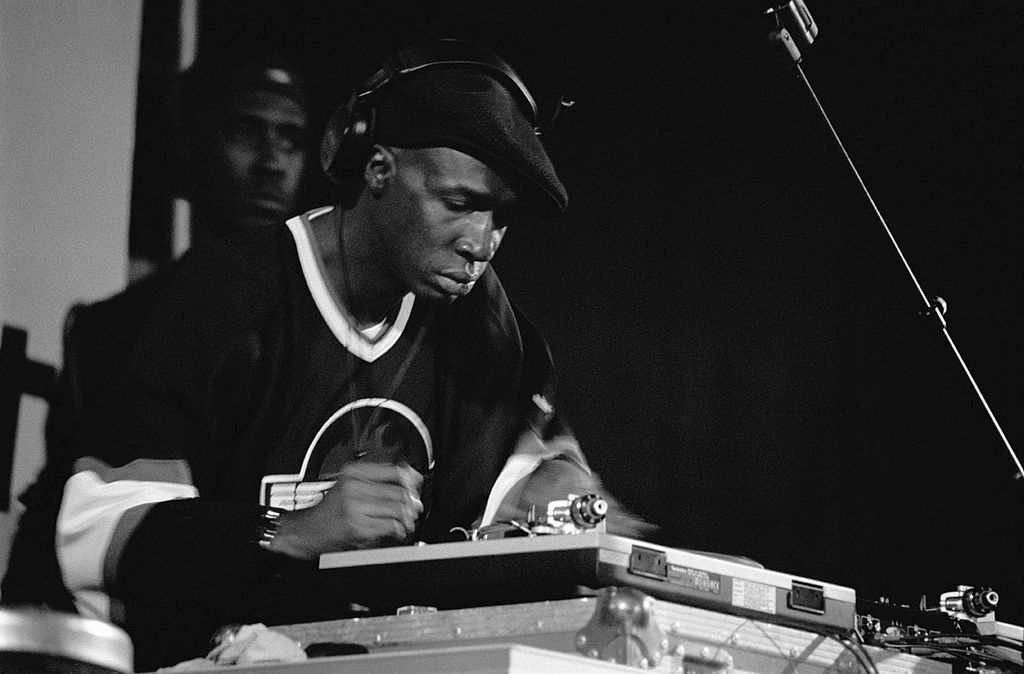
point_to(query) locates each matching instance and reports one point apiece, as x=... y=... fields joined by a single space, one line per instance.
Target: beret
x=470 y=111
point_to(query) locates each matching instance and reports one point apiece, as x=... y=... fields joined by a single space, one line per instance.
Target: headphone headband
x=349 y=135
x=447 y=53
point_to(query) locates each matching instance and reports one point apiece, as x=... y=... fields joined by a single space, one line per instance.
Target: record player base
x=503 y=637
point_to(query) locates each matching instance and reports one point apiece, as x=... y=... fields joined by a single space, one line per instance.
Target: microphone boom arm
x=794 y=28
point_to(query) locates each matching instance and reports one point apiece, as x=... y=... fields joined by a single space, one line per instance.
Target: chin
x=267 y=222
x=260 y=217
x=429 y=293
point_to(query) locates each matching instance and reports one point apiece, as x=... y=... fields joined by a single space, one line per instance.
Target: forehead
x=267 y=105
x=447 y=168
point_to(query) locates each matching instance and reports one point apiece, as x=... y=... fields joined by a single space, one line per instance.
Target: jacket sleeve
x=144 y=537
x=547 y=463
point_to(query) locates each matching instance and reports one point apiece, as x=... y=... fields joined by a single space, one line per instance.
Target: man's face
x=443 y=215
x=254 y=162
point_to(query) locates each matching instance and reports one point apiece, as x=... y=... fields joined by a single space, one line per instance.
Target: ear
x=380 y=168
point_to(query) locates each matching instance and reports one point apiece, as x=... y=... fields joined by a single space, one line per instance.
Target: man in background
x=240 y=153
x=243 y=144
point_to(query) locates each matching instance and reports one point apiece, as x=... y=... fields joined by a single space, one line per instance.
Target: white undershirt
x=373 y=332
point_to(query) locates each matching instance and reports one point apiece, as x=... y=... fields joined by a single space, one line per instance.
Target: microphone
x=794 y=28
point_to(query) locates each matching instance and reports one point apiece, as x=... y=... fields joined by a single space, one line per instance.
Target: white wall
x=68 y=75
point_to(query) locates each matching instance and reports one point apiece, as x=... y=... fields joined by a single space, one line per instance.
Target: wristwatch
x=267 y=522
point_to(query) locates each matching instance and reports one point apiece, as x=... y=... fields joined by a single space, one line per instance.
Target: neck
x=200 y=231
x=351 y=266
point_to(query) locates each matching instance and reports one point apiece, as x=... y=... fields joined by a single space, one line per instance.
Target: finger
x=416 y=503
x=378 y=482
x=396 y=529
x=382 y=528
x=406 y=512
x=383 y=473
x=410 y=477
x=366 y=530
x=376 y=492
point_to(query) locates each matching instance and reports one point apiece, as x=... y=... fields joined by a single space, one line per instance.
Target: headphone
x=348 y=136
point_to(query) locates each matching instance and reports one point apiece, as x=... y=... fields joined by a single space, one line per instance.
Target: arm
x=547 y=462
x=178 y=566
x=546 y=465
x=161 y=538
x=143 y=536
x=370 y=506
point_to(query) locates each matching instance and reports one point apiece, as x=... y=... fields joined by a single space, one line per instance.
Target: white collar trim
x=333 y=314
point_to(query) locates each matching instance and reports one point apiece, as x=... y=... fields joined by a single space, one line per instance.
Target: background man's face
x=254 y=162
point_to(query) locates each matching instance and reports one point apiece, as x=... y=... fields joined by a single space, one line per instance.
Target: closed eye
x=457 y=205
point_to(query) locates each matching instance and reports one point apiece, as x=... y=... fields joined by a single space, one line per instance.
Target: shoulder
x=537 y=358
x=215 y=292
x=226 y=279
x=117 y=319
x=215 y=304
x=243 y=259
x=494 y=336
x=138 y=295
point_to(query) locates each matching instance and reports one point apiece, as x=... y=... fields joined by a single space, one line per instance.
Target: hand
x=371 y=505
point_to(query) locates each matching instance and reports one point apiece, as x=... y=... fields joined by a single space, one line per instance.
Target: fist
x=371 y=505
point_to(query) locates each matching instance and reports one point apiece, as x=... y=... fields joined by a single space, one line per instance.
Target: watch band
x=267 y=522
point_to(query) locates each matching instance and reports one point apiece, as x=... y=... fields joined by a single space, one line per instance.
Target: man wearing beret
x=353 y=378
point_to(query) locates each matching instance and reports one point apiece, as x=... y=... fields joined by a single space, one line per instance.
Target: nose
x=271 y=154
x=479 y=238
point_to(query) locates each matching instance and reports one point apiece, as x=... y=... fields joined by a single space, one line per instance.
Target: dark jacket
x=201 y=388
x=98 y=338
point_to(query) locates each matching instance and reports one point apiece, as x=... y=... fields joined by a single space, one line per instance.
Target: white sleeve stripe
x=530 y=451
x=144 y=470
x=89 y=514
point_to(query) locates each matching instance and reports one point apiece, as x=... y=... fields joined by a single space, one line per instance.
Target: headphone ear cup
x=345 y=147
x=330 y=144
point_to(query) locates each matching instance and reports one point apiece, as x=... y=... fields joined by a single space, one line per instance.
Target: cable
x=956 y=648
x=859 y=651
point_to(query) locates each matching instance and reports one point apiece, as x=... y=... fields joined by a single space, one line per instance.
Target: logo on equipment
x=370 y=429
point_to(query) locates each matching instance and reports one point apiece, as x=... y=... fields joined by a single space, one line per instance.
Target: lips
x=460 y=277
x=271 y=205
x=457 y=284
x=268 y=196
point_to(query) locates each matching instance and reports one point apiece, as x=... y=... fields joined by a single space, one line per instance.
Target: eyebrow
x=247 y=114
x=485 y=197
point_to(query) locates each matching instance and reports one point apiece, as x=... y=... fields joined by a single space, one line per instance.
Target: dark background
x=741 y=348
